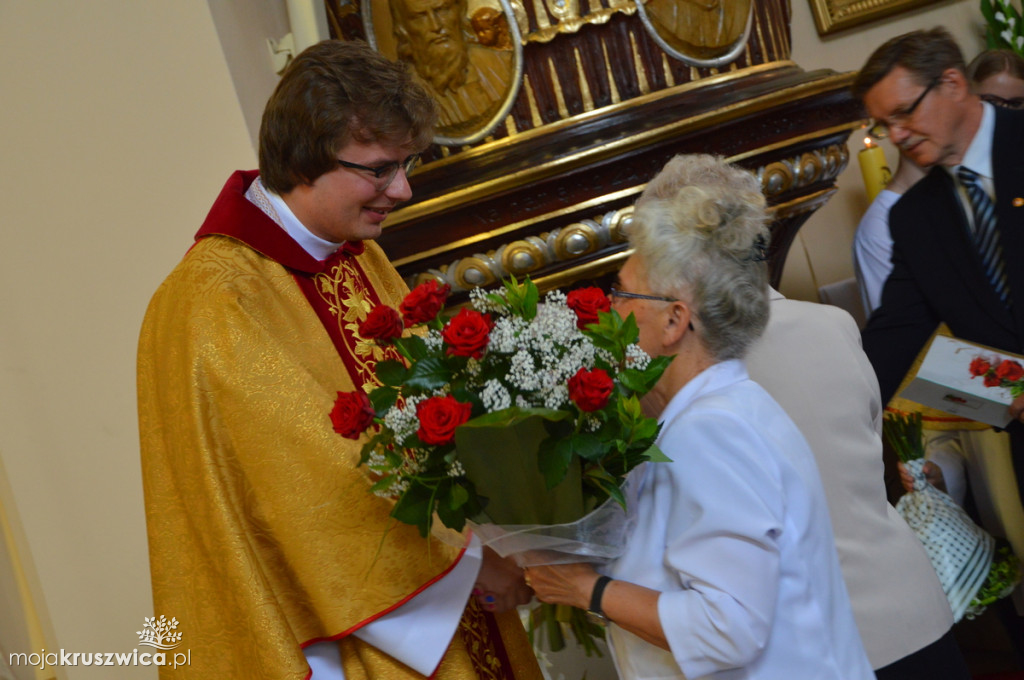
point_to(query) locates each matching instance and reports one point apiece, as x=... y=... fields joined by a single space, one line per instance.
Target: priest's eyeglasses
x=880 y=128
x=383 y=175
x=615 y=291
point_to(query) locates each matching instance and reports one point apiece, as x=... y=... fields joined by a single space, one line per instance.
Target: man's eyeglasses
x=1015 y=103
x=384 y=175
x=615 y=291
x=880 y=128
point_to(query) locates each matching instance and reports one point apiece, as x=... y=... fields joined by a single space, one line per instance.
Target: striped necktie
x=986 y=233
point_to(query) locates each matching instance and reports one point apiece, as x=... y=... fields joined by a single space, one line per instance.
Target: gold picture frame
x=837 y=15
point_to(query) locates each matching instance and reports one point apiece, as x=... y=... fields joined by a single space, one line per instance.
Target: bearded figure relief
x=468 y=65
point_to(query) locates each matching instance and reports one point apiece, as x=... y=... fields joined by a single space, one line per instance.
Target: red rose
x=979 y=366
x=352 y=414
x=992 y=380
x=423 y=302
x=467 y=333
x=382 y=323
x=587 y=302
x=1009 y=370
x=439 y=416
x=590 y=389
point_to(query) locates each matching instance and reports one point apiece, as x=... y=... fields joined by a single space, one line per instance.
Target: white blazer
x=810 y=360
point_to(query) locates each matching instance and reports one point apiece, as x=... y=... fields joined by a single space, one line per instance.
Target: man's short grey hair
x=700 y=227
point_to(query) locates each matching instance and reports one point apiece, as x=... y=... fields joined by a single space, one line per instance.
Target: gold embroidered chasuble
x=263 y=535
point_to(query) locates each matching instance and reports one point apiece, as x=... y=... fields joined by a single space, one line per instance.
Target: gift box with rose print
x=968 y=380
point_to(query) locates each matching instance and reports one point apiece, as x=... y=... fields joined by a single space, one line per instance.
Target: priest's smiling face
x=345 y=204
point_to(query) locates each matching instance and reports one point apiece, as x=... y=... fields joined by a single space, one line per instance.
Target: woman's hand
x=932 y=474
x=500 y=585
x=569 y=584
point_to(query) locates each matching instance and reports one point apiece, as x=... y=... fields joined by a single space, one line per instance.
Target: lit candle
x=873 y=168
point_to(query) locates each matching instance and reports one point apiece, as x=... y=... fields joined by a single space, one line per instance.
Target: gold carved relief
x=699 y=32
x=468 y=54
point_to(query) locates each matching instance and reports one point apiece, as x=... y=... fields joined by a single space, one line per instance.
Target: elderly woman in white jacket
x=731 y=571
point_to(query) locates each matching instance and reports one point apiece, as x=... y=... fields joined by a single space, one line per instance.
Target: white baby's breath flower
x=433 y=340
x=504 y=337
x=402 y=420
x=637 y=358
x=479 y=300
x=556 y=298
x=604 y=355
x=557 y=397
x=523 y=374
x=495 y=396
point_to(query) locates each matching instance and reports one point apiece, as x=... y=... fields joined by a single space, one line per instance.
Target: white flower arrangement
x=1004 y=27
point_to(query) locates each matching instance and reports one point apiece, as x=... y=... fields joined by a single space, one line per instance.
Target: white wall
x=119 y=124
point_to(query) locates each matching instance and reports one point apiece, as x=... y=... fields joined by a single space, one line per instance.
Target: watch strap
x=597 y=593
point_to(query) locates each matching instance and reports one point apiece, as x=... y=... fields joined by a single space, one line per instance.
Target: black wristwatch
x=594 y=612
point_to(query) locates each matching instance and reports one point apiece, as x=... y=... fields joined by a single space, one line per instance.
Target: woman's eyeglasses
x=615 y=291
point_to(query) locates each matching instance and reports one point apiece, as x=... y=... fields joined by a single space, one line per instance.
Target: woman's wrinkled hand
x=569 y=584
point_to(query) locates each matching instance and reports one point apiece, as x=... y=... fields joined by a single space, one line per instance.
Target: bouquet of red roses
x=519 y=415
x=512 y=411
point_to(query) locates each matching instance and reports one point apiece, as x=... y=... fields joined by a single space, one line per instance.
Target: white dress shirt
x=735 y=534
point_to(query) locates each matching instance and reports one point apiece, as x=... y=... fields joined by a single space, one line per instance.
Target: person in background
x=998 y=78
x=902 y=613
x=265 y=540
x=957 y=238
x=872 y=244
x=732 y=567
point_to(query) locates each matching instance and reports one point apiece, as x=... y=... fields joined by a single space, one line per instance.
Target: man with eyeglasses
x=266 y=543
x=958 y=236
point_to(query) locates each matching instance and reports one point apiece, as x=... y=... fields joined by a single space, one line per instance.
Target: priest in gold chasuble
x=266 y=546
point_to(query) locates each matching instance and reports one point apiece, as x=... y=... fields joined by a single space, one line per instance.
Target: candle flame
x=867 y=142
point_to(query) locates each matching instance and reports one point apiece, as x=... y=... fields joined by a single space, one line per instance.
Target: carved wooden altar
x=601 y=103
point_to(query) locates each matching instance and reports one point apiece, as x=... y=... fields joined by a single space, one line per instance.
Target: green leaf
x=427 y=374
x=633 y=380
x=458 y=497
x=416 y=346
x=514 y=415
x=414 y=507
x=450 y=513
x=369 y=447
x=384 y=484
x=521 y=297
x=383 y=398
x=553 y=458
x=587 y=446
x=656 y=455
x=391 y=372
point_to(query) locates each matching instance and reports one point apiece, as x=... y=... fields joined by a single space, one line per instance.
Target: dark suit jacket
x=937 y=274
